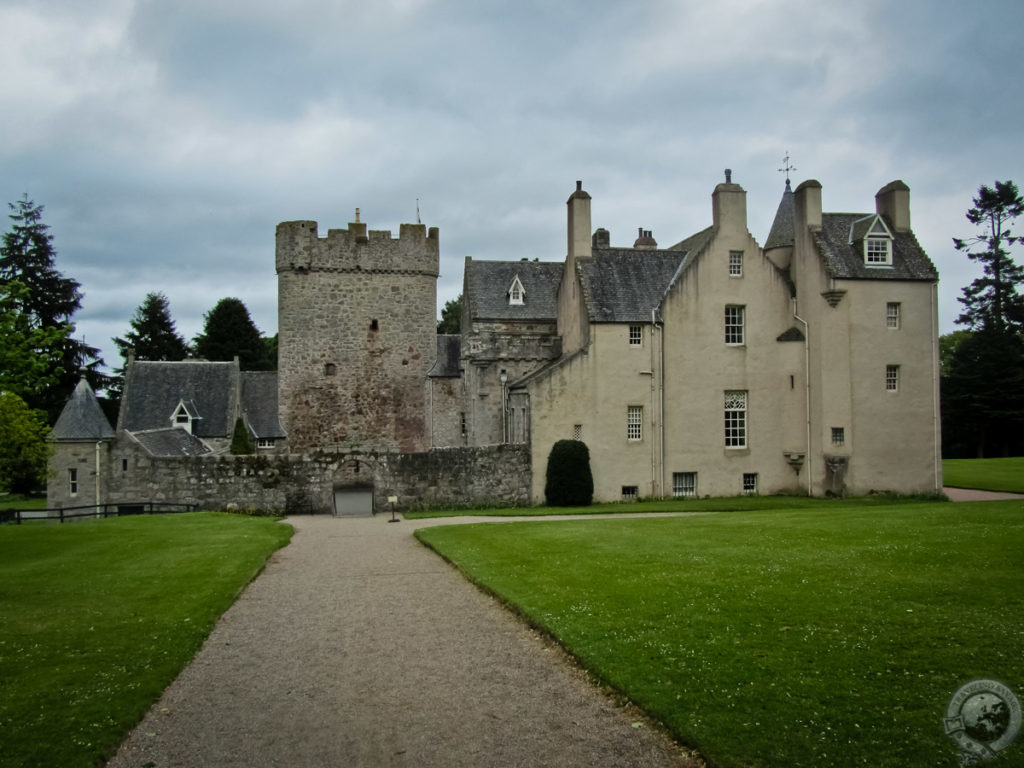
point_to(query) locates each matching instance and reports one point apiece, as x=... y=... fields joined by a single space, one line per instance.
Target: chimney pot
x=728 y=175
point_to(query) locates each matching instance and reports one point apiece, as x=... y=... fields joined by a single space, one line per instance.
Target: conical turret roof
x=82 y=417
x=782 y=232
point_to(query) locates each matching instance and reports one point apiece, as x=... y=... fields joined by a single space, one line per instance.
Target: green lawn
x=715 y=504
x=985 y=474
x=17 y=501
x=807 y=637
x=98 y=617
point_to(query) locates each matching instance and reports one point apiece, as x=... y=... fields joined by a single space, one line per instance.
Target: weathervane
x=786 y=167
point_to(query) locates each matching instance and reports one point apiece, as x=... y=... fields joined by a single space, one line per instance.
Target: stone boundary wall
x=305 y=484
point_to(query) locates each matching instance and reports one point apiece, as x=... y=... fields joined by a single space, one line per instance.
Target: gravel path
x=357 y=646
x=969 y=494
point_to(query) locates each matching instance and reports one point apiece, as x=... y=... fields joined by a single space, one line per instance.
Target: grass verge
x=716 y=504
x=18 y=501
x=796 y=638
x=1005 y=475
x=98 y=617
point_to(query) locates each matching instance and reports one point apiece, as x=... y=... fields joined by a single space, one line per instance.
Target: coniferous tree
x=992 y=301
x=153 y=335
x=228 y=330
x=983 y=371
x=27 y=256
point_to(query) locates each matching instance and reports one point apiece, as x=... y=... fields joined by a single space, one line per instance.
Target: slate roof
x=845 y=260
x=782 y=233
x=170 y=441
x=82 y=417
x=622 y=285
x=259 y=403
x=153 y=391
x=449 y=357
x=488 y=281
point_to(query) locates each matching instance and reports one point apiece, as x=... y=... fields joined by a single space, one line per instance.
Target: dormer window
x=182 y=417
x=516 y=294
x=874 y=239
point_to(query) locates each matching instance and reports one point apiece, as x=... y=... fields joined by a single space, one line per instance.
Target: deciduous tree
x=30 y=357
x=451 y=316
x=24 y=450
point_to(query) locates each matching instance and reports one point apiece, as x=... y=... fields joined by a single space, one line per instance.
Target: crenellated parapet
x=355 y=249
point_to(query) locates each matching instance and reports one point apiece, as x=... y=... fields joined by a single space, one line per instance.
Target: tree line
x=41 y=361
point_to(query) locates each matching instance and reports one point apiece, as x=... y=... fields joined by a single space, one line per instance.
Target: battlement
x=354 y=249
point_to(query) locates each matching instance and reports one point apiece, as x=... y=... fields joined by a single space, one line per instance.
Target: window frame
x=636 y=335
x=892 y=378
x=516 y=293
x=735 y=263
x=838 y=436
x=736 y=418
x=630 y=492
x=577 y=432
x=735 y=325
x=634 y=423
x=684 y=485
x=750 y=483
x=874 y=257
x=893 y=315
x=72 y=481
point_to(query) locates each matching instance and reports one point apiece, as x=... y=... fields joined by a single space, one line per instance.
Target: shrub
x=241 y=443
x=569 y=482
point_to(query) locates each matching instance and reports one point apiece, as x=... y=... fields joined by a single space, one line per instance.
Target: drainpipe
x=807 y=392
x=936 y=413
x=660 y=327
x=98 y=496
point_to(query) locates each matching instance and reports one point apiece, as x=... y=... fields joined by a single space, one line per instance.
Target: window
x=736 y=419
x=750 y=482
x=734 y=324
x=636 y=335
x=877 y=251
x=892 y=378
x=264 y=442
x=577 y=431
x=124 y=465
x=462 y=421
x=181 y=418
x=735 y=263
x=629 y=492
x=892 y=314
x=516 y=294
x=330 y=369
x=635 y=422
x=73 y=482
x=838 y=435
x=684 y=484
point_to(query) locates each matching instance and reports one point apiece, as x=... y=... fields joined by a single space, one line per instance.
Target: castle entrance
x=353 y=501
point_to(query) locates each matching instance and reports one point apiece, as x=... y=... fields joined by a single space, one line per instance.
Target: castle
x=715 y=366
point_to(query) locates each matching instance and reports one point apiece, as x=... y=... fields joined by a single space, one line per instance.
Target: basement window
x=750 y=483
x=629 y=492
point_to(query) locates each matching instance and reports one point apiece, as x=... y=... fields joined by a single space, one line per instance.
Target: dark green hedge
x=569 y=481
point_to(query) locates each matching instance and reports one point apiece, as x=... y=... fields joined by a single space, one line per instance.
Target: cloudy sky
x=167 y=139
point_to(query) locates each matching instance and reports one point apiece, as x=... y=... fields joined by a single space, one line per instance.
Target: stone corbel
x=833 y=297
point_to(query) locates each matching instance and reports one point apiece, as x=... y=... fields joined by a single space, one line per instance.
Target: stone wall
x=356 y=323
x=305 y=484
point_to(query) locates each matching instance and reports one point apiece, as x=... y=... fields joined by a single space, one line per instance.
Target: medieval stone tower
x=356 y=321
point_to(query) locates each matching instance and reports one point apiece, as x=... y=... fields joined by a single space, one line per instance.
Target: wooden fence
x=94 y=511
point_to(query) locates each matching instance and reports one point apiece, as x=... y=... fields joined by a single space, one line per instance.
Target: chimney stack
x=893 y=203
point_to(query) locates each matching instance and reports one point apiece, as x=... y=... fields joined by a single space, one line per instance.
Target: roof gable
x=259 y=403
x=623 y=285
x=154 y=390
x=844 y=258
x=487 y=286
